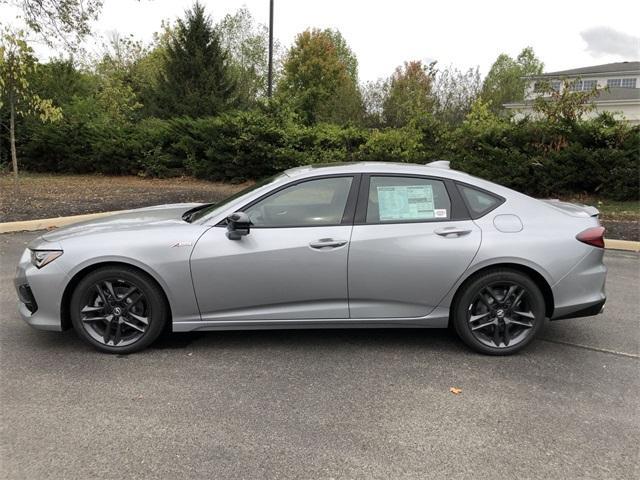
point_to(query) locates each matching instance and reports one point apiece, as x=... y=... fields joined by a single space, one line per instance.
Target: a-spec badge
x=181 y=244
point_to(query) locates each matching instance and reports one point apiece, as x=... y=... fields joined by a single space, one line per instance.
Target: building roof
x=617 y=67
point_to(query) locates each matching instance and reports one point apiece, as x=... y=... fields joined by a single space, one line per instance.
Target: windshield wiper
x=188 y=215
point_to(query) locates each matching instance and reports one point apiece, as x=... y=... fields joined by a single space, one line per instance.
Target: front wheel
x=499 y=312
x=118 y=310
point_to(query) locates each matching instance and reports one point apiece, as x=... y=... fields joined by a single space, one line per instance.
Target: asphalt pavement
x=324 y=404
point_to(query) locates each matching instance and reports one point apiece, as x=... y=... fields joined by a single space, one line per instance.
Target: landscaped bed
x=45 y=196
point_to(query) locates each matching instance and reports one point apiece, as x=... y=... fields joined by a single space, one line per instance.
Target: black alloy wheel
x=118 y=309
x=499 y=312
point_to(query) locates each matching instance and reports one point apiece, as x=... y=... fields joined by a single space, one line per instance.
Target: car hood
x=137 y=219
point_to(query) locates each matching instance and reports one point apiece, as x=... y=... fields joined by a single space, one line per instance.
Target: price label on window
x=406 y=202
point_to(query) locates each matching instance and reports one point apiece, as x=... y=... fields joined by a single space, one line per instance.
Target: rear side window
x=478 y=201
x=407 y=199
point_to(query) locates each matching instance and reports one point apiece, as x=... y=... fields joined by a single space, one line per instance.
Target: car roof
x=438 y=168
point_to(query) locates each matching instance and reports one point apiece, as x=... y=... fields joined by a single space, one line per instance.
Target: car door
x=411 y=241
x=291 y=265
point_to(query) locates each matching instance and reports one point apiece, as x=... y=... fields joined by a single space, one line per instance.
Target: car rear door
x=293 y=263
x=411 y=241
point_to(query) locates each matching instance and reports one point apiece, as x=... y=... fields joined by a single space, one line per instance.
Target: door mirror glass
x=238 y=224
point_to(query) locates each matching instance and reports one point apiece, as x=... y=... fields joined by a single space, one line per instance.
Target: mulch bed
x=46 y=196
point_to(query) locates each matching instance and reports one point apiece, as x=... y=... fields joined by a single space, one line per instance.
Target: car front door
x=293 y=262
x=411 y=241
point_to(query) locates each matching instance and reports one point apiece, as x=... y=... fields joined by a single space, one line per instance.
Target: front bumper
x=39 y=293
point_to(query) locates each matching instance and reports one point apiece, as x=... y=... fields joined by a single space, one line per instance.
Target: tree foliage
x=563 y=104
x=60 y=21
x=17 y=64
x=505 y=83
x=410 y=93
x=247 y=44
x=319 y=78
x=195 y=79
x=455 y=92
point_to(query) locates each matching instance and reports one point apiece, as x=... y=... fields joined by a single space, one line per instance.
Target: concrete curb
x=626 y=245
x=49 y=223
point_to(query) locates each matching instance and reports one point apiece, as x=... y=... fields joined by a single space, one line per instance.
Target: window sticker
x=413 y=202
x=440 y=212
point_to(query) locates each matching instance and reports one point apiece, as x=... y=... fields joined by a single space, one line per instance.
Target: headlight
x=39 y=258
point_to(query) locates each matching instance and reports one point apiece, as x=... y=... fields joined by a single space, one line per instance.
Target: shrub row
x=599 y=156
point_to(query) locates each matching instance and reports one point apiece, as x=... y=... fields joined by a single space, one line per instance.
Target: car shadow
x=438 y=339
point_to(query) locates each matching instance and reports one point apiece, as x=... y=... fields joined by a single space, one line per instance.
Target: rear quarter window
x=479 y=202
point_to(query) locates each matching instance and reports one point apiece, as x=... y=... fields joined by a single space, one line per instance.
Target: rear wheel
x=499 y=312
x=118 y=310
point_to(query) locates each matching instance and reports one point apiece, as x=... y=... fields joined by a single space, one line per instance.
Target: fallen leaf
x=455 y=390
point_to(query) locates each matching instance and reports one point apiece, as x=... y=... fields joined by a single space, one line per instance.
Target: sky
x=383 y=34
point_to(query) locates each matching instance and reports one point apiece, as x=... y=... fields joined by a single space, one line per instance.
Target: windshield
x=212 y=208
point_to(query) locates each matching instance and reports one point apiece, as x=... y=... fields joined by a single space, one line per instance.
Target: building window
x=576 y=86
x=621 y=82
x=555 y=85
x=589 y=84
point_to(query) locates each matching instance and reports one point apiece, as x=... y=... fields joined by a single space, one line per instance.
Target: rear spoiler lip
x=578 y=208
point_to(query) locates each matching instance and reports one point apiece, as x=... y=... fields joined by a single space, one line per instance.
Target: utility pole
x=270 y=72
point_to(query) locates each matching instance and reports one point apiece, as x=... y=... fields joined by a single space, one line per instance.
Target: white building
x=622 y=98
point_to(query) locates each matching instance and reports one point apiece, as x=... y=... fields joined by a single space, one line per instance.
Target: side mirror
x=238 y=224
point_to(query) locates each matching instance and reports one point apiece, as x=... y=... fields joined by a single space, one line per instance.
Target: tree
x=409 y=93
x=63 y=21
x=17 y=64
x=195 y=79
x=455 y=91
x=505 y=81
x=320 y=79
x=564 y=105
x=247 y=44
x=374 y=94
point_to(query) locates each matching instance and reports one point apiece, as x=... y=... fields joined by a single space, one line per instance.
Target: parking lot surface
x=324 y=404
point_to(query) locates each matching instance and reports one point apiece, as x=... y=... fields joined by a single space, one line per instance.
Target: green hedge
x=598 y=156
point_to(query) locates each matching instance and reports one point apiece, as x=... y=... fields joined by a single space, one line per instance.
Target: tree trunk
x=12 y=136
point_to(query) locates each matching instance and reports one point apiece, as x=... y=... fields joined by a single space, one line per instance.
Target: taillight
x=593 y=236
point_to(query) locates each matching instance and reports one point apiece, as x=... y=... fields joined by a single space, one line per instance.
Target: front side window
x=311 y=203
x=407 y=199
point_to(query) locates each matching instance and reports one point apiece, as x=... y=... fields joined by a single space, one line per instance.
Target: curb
x=49 y=223
x=626 y=245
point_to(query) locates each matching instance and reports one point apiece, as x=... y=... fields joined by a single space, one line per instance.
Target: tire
x=493 y=317
x=118 y=309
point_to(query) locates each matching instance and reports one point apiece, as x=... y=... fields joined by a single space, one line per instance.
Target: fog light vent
x=26 y=297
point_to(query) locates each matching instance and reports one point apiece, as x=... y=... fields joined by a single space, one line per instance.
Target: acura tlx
x=375 y=245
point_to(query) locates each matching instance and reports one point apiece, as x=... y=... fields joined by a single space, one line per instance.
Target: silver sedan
x=339 y=246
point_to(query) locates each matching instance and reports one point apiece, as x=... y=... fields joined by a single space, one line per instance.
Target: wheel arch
x=65 y=310
x=537 y=277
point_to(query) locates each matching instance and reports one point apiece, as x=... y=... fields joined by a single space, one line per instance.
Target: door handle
x=327 y=243
x=446 y=231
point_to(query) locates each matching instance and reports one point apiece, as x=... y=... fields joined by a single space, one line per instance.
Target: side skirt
x=438 y=319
